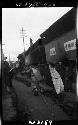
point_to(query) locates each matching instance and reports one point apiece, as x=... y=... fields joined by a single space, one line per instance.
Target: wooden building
x=59 y=39
x=34 y=55
x=57 y=43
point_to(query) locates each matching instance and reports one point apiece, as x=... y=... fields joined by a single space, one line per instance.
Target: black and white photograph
x=39 y=64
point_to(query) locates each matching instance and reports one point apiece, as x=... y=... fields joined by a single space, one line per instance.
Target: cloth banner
x=57 y=81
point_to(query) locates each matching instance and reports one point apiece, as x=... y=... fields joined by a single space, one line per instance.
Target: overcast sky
x=34 y=21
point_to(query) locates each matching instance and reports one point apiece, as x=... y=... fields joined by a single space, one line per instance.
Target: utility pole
x=23 y=36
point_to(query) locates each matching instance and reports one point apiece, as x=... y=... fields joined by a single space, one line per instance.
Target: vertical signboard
x=52 y=51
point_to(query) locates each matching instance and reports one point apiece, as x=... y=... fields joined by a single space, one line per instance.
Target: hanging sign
x=70 y=45
x=52 y=51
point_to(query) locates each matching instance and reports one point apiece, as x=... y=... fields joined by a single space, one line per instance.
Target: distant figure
x=61 y=70
x=69 y=78
x=35 y=79
x=35 y=75
x=45 y=73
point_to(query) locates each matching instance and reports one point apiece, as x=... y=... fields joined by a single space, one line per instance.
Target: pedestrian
x=74 y=78
x=48 y=76
x=61 y=70
x=36 y=78
x=68 y=79
x=28 y=72
x=41 y=68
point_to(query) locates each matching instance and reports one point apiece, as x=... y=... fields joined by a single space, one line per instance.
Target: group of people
x=39 y=74
x=58 y=76
x=68 y=74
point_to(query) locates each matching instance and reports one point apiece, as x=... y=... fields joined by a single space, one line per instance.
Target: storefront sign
x=70 y=45
x=52 y=51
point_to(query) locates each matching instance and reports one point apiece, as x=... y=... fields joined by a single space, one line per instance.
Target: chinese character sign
x=70 y=45
x=52 y=51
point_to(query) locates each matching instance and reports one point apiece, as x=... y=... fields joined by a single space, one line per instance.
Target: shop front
x=60 y=47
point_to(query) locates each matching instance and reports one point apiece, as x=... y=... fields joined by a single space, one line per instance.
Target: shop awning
x=63 y=25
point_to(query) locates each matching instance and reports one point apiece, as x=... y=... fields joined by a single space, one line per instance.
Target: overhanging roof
x=61 y=26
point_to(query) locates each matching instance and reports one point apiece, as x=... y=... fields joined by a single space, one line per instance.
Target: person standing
x=60 y=67
x=68 y=78
x=36 y=76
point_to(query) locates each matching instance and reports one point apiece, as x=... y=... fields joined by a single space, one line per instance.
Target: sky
x=33 y=20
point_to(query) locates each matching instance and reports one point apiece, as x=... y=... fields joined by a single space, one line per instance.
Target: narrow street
x=36 y=104
x=39 y=70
